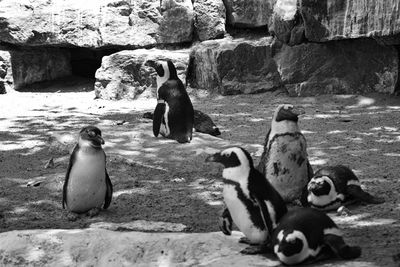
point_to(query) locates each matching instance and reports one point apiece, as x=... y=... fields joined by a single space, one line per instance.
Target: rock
x=210 y=16
x=130 y=23
x=286 y=23
x=232 y=66
x=39 y=64
x=342 y=67
x=96 y=24
x=98 y=247
x=141 y=225
x=123 y=74
x=176 y=24
x=6 y=78
x=327 y=20
x=248 y=13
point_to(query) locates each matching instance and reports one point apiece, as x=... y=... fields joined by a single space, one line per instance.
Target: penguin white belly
x=87 y=185
x=287 y=168
x=241 y=217
x=164 y=127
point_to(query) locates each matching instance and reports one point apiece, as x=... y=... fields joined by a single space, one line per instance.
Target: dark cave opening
x=85 y=61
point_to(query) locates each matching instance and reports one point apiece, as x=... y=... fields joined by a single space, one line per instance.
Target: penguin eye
x=91 y=133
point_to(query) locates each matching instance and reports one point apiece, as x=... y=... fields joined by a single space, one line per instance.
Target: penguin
x=306 y=235
x=202 y=123
x=173 y=116
x=333 y=186
x=87 y=185
x=284 y=161
x=252 y=203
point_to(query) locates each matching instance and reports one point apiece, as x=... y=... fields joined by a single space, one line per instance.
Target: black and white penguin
x=173 y=116
x=202 y=123
x=284 y=161
x=308 y=235
x=334 y=186
x=252 y=203
x=87 y=185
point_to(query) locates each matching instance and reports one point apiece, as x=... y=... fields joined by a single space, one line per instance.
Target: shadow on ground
x=160 y=180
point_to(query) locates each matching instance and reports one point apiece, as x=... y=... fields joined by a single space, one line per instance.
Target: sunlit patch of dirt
x=160 y=180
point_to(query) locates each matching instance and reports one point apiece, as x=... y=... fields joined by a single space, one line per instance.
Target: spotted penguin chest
x=241 y=216
x=86 y=187
x=286 y=167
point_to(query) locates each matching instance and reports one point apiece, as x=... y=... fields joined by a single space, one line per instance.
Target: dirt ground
x=160 y=180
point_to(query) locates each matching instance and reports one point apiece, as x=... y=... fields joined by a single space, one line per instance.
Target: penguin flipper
x=261 y=165
x=109 y=192
x=65 y=186
x=357 y=193
x=310 y=171
x=340 y=248
x=225 y=223
x=158 y=117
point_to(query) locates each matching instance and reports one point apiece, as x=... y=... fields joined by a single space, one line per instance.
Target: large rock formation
x=341 y=67
x=248 y=13
x=327 y=20
x=233 y=66
x=96 y=24
x=123 y=74
x=39 y=64
x=5 y=71
x=210 y=19
x=97 y=247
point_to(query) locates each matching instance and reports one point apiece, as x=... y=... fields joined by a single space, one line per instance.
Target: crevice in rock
x=256 y=32
x=397 y=87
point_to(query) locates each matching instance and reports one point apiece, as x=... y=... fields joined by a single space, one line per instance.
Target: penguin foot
x=256 y=249
x=93 y=212
x=72 y=216
x=348 y=252
x=343 y=211
x=245 y=240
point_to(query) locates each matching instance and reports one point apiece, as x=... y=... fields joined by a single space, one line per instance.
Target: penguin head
x=320 y=186
x=165 y=70
x=288 y=112
x=90 y=136
x=290 y=246
x=237 y=163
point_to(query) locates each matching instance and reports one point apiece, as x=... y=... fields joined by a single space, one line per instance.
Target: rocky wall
x=307 y=47
x=39 y=64
x=6 y=79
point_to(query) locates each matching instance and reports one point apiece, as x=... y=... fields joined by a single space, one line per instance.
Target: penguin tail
x=340 y=248
x=348 y=252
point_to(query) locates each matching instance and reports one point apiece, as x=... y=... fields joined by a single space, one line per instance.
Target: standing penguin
x=284 y=161
x=333 y=186
x=252 y=203
x=87 y=185
x=173 y=115
x=305 y=235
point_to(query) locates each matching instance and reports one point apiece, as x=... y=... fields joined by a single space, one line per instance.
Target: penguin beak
x=217 y=157
x=100 y=139
x=298 y=110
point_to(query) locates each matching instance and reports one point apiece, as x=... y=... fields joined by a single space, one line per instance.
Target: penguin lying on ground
x=333 y=186
x=306 y=234
x=252 y=203
x=202 y=123
x=173 y=115
x=87 y=185
x=284 y=161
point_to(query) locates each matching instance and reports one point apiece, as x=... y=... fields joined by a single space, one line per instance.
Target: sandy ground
x=160 y=180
